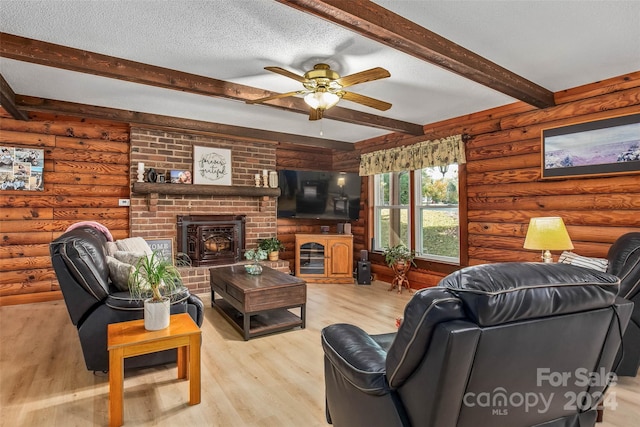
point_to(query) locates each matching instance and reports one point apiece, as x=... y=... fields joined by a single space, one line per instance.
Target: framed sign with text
x=164 y=246
x=211 y=166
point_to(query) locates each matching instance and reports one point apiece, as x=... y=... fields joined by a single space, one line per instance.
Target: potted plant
x=400 y=259
x=154 y=279
x=256 y=255
x=272 y=246
x=398 y=254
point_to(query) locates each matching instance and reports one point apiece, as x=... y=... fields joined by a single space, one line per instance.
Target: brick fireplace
x=156 y=215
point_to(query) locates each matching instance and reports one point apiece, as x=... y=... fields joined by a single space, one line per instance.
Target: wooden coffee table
x=258 y=304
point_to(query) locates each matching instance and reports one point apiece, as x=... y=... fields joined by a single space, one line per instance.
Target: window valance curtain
x=437 y=152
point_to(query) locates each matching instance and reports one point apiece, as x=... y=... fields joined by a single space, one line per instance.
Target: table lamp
x=341 y=183
x=547 y=234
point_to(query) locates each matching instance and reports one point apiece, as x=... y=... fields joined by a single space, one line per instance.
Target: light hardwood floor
x=276 y=380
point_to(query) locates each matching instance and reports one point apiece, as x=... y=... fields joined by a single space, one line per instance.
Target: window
x=433 y=205
x=391 y=210
x=437 y=230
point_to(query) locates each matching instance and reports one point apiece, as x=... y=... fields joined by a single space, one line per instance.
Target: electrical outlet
x=124 y=202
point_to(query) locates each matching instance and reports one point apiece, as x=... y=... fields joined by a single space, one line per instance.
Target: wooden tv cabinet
x=324 y=258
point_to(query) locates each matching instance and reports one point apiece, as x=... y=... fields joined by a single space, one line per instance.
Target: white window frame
x=379 y=206
x=419 y=209
x=414 y=232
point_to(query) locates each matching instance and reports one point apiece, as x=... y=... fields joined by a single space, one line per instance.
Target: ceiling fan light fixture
x=322 y=100
x=323 y=88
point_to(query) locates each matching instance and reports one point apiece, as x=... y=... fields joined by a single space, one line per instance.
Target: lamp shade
x=341 y=181
x=322 y=100
x=547 y=233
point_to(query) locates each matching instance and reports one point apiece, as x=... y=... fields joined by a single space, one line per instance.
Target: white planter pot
x=156 y=314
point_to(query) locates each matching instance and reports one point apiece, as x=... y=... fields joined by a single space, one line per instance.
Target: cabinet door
x=341 y=263
x=311 y=259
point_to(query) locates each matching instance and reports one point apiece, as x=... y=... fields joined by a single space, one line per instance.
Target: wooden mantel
x=203 y=190
x=152 y=190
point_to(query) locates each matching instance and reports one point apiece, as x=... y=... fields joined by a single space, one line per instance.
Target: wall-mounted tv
x=318 y=194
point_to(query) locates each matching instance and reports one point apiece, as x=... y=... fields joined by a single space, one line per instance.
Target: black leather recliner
x=624 y=262
x=511 y=344
x=93 y=302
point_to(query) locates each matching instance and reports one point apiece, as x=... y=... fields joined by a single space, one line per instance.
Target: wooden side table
x=127 y=339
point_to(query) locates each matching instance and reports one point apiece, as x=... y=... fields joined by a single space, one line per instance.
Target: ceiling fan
x=323 y=88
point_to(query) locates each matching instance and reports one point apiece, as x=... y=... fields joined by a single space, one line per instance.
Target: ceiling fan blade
x=365 y=100
x=286 y=73
x=315 y=114
x=269 y=98
x=363 y=76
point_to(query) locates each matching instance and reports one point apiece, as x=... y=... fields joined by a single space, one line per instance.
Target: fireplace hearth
x=211 y=239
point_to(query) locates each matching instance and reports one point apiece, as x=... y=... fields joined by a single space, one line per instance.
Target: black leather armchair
x=493 y=345
x=79 y=260
x=624 y=262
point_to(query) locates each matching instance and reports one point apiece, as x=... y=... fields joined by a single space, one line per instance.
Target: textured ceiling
x=556 y=44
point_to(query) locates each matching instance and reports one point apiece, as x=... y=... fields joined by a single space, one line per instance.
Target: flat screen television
x=318 y=194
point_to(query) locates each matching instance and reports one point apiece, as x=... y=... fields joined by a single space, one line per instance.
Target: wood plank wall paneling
x=346 y=161
x=505 y=188
x=302 y=157
x=86 y=172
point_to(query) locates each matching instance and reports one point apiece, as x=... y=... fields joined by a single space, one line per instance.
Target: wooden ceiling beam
x=379 y=24
x=30 y=103
x=8 y=101
x=67 y=58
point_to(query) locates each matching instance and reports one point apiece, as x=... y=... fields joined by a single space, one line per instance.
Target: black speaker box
x=363 y=273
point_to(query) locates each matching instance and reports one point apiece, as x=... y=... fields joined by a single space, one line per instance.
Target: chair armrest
x=385 y=340
x=196 y=302
x=356 y=356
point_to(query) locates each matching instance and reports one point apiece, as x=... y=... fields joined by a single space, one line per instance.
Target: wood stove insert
x=211 y=239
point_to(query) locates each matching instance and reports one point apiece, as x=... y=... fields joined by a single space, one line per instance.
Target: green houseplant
x=398 y=254
x=400 y=259
x=154 y=279
x=272 y=246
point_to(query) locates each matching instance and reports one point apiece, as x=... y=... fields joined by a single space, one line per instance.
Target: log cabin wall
x=87 y=170
x=155 y=215
x=85 y=174
x=504 y=188
x=291 y=156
